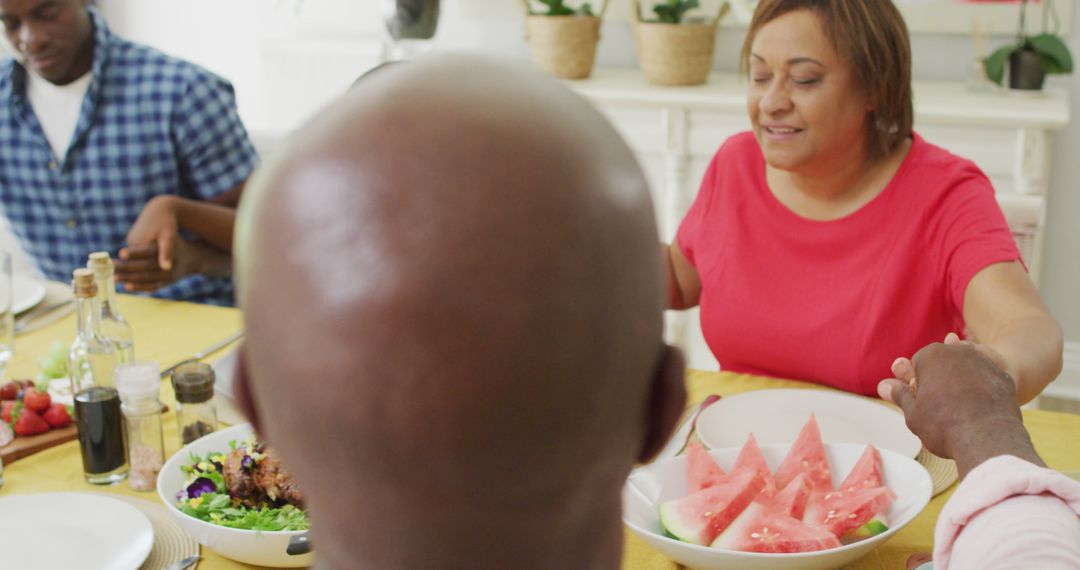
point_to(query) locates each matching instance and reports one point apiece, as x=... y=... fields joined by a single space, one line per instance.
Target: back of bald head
x=454 y=270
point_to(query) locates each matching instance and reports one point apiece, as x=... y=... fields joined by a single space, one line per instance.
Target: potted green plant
x=672 y=48
x=563 y=39
x=1030 y=59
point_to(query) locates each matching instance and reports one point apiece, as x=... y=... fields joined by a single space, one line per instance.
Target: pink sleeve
x=974 y=233
x=689 y=235
x=1009 y=513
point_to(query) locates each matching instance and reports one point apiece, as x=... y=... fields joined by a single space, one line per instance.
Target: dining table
x=168 y=332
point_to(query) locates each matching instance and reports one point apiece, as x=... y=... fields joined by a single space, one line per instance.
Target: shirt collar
x=103 y=40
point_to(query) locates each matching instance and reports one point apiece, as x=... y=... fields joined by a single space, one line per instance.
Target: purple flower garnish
x=247 y=463
x=200 y=486
x=181 y=494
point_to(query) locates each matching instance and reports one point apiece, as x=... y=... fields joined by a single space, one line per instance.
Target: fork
x=182 y=564
x=692 y=421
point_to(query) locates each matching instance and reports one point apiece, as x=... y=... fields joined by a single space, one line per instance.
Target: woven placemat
x=942 y=471
x=171 y=543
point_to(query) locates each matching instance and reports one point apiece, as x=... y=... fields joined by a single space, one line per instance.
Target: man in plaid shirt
x=110 y=145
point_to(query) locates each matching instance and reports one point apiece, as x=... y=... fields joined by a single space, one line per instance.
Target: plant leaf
x=1052 y=47
x=995 y=64
x=672 y=11
x=666 y=14
x=1049 y=65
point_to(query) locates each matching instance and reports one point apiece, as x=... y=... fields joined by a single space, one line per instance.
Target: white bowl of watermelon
x=250 y=539
x=776 y=507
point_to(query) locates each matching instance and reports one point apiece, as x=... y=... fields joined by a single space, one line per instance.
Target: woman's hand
x=903 y=369
x=139 y=268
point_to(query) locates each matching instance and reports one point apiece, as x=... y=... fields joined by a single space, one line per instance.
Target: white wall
x=227 y=36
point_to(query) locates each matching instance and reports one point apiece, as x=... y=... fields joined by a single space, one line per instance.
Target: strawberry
x=30 y=423
x=36 y=401
x=57 y=416
x=10 y=391
x=8 y=410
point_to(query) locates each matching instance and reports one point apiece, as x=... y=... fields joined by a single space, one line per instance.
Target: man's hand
x=157 y=226
x=139 y=268
x=960 y=403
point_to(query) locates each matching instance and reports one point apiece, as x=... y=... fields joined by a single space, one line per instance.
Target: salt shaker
x=139 y=385
x=195 y=412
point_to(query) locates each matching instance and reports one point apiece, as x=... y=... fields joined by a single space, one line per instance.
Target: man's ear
x=667 y=399
x=241 y=385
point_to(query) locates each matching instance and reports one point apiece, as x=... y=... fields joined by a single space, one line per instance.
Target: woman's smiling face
x=807 y=111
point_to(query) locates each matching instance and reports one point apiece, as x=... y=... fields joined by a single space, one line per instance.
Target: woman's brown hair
x=872 y=36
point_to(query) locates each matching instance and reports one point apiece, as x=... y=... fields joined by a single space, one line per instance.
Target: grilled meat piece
x=240 y=478
x=256 y=483
x=274 y=480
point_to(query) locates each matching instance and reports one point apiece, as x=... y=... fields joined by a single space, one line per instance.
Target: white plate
x=776 y=416
x=72 y=530
x=26 y=293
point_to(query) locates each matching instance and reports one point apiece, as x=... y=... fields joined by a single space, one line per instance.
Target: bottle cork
x=100 y=262
x=83 y=283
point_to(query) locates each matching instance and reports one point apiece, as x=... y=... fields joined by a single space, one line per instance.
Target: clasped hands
x=157 y=255
x=947 y=390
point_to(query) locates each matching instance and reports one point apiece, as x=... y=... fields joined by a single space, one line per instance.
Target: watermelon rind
x=697 y=518
x=672 y=527
x=872 y=528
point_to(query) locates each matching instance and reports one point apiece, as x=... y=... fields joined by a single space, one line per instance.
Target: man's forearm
x=207 y=260
x=990 y=438
x=213 y=223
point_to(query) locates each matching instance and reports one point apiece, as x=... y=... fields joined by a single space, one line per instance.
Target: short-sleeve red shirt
x=835 y=302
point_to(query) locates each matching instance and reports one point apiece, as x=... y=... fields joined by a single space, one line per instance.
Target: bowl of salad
x=233 y=495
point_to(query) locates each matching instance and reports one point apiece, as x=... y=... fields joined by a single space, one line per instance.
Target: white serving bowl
x=263 y=548
x=664 y=480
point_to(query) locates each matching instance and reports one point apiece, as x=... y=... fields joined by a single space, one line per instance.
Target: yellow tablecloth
x=165 y=332
x=168 y=332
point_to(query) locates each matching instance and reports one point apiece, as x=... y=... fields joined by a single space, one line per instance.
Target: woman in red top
x=832 y=239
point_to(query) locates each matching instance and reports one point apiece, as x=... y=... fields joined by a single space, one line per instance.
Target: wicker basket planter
x=564 y=46
x=675 y=54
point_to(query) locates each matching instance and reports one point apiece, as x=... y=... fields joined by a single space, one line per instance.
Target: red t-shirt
x=835 y=302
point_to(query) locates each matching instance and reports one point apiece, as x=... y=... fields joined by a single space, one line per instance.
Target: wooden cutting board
x=23 y=446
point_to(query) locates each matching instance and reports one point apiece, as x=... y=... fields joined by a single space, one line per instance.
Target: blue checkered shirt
x=149 y=125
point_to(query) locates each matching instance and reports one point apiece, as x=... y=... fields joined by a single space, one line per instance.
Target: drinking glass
x=7 y=316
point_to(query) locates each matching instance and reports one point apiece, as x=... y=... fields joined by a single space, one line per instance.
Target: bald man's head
x=452 y=288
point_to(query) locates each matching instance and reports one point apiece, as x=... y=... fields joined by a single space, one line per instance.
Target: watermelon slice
x=843 y=511
x=759 y=529
x=702 y=471
x=751 y=459
x=791 y=501
x=698 y=518
x=867 y=472
x=807 y=455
